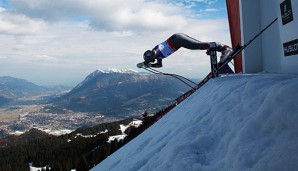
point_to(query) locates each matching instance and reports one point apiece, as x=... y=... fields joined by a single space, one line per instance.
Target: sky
x=61 y=42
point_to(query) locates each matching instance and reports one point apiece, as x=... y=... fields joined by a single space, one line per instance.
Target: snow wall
x=277 y=49
x=238 y=122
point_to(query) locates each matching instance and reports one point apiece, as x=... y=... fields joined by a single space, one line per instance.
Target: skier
x=176 y=41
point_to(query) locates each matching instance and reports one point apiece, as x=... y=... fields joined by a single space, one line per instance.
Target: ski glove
x=142 y=65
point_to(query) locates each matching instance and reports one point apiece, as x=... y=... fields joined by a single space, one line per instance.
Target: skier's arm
x=158 y=64
x=146 y=64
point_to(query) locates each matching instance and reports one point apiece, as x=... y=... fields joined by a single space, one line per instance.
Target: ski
x=239 y=48
x=236 y=51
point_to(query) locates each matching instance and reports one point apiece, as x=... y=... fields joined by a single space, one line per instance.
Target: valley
x=103 y=96
x=15 y=120
x=86 y=121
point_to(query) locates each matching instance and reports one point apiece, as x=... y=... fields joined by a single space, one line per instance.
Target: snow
x=236 y=122
x=17 y=133
x=114 y=70
x=107 y=71
x=36 y=168
x=134 y=123
x=124 y=70
x=40 y=168
x=116 y=137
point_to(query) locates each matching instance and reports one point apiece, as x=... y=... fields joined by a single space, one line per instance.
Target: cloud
x=66 y=40
x=106 y=15
x=192 y=3
x=209 y=2
x=3 y=57
x=43 y=57
x=18 y=24
x=210 y=10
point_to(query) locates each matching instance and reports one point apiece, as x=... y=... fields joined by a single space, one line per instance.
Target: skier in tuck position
x=176 y=41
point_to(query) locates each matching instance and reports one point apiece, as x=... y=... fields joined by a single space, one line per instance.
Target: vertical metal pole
x=213 y=59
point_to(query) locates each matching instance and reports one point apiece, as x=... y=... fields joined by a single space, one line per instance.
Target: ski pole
x=175 y=75
x=158 y=72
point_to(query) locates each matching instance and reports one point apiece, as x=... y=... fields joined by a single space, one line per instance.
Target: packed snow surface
x=237 y=122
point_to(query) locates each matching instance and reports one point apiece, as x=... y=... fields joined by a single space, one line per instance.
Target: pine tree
x=82 y=164
x=56 y=166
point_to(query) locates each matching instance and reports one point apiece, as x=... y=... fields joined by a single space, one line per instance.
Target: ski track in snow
x=235 y=122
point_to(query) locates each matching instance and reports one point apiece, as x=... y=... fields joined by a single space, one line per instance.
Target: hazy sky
x=62 y=41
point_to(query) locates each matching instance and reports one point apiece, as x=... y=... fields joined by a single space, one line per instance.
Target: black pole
x=239 y=48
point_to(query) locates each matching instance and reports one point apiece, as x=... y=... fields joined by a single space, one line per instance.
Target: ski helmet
x=149 y=56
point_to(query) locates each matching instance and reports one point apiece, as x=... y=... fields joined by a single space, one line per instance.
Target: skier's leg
x=183 y=40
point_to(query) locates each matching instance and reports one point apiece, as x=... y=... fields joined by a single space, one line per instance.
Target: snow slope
x=237 y=122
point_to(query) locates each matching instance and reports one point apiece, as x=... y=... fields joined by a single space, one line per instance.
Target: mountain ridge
x=121 y=93
x=12 y=89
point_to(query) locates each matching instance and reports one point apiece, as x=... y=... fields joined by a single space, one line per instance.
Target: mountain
x=4 y=99
x=121 y=93
x=12 y=89
x=238 y=122
x=16 y=88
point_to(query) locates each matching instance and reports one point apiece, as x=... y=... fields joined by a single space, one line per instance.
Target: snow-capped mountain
x=122 y=93
x=108 y=71
x=238 y=122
